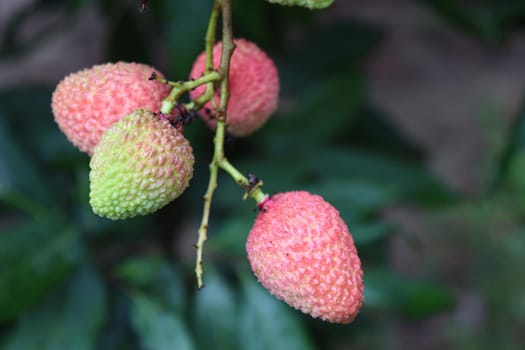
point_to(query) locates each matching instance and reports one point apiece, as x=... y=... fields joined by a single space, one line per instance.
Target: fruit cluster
x=299 y=247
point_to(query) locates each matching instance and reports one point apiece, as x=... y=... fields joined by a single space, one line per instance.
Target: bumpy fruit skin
x=302 y=252
x=140 y=164
x=87 y=102
x=254 y=87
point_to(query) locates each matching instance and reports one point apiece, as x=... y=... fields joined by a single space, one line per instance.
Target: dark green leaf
x=156 y=276
x=267 y=323
x=21 y=185
x=489 y=20
x=70 y=319
x=516 y=173
x=375 y=131
x=215 y=314
x=252 y=19
x=325 y=52
x=324 y=111
x=356 y=181
x=117 y=335
x=34 y=258
x=367 y=233
x=158 y=328
x=511 y=165
x=127 y=41
x=410 y=297
x=229 y=194
x=140 y=272
x=409 y=178
x=469 y=19
x=40 y=135
x=356 y=197
x=230 y=236
x=185 y=21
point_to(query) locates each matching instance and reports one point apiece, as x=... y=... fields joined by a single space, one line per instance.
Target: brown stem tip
x=143 y=6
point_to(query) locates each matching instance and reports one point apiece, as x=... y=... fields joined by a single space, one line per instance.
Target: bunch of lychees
x=127 y=118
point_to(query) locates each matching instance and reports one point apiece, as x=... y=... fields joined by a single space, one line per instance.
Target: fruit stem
x=252 y=190
x=214 y=169
x=203 y=228
x=210 y=42
x=224 y=68
x=179 y=88
x=209 y=77
x=219 y=160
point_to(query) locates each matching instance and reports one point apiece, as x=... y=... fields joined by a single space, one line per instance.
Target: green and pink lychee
x=141 y=164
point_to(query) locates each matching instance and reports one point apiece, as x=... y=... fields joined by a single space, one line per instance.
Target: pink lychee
x=302 y=252
x=254 y=87
x=87 y=102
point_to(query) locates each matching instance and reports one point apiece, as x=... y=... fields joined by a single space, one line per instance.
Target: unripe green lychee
x=254 y=87
x=302 y=252
x=87 y=102
x=140 y=164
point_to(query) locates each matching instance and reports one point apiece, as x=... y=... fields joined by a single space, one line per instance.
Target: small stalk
x=212 y=183
x=180 y=88
x=219 y=161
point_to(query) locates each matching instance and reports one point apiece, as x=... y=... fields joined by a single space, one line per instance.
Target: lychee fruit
x=87 y=102
x=254 y=87
x=140 y=164
x=302 y=252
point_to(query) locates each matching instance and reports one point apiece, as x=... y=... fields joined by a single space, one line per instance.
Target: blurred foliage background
x=407 y=117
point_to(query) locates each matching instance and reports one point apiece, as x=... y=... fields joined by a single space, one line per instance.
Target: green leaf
x=155 y=276
x=311 y=4
x=253 y=20
x=34 y=258
x=70 y=319
x=40 y=135
x=158 y=328
x=127 y=41
x=267 y=323
x=325 y=52
x=215 y=314
x=368 y=233
x=354 y=201
x=356 y=197
x=324 y=111
x=409 y=178
x=116 y=334
x=488 y=20
x=229 y=193
x=230 y=236
x=373 y=130
x=410 y=297
x=185 y=20
x=21 y=184
x=511 y=160
x=515 y=173
x=141 y=271
x=470 y=19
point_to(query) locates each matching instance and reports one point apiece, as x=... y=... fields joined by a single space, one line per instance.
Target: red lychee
x=254 y=87
x=87 y=102
x=302 y=252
